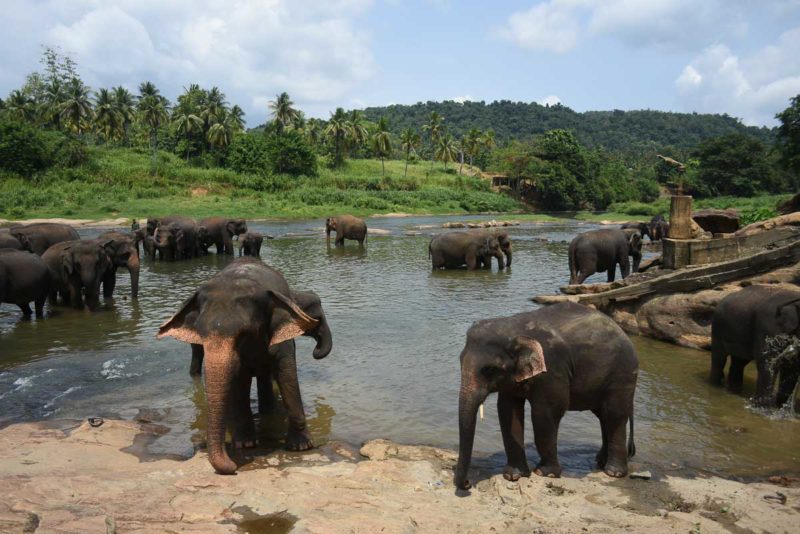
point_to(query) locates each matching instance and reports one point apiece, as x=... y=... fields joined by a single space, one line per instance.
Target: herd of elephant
x=242 y=322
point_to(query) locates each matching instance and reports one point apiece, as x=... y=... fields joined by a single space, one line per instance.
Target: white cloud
x=251 y=49
x=462 y=99
x=754 y=87
x=551 y=100
x=551 y=25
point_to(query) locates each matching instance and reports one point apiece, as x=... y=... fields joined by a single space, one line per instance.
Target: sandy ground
x=70 y=477
x=92 y=223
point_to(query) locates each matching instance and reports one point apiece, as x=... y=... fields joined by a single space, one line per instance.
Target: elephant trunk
x=324 y=339
x=222 y=366
x=469 y=400
x=133 y=269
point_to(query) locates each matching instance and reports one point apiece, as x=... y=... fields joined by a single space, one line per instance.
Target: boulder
x=789 y=206
x=717 y=221
x=792 y=219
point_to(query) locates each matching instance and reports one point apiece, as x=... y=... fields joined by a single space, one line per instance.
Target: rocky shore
x=67 y=476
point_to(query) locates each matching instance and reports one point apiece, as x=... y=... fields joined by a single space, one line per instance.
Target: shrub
x=24 y=149
x=289 y=154
x=249 y=154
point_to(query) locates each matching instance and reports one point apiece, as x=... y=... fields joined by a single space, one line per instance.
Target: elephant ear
x=297 y=324
x=181 y=325
x=635 y=241
x=67 y=260
x=788 y=317
x=529 y=358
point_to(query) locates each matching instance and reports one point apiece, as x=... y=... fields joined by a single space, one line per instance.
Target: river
x=398 y=329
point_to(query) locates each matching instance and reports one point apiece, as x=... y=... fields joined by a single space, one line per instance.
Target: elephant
x=562 y=357
x=24 y=278
x=38 y=237
x=601 y=250
x=451 y=250
x=148 y=244
x=78 y=267
x=505 y=247
x=9 y=241
x=659 y=228
x=742 y=327
x=250 y=244
x=235 y=322
x=123 y=252
x=175 y=238
x=219 y=231
x=642 y=227
x=346 y=227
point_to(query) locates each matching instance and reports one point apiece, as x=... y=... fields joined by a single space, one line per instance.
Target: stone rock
x=454 y=225
x=698 y=232
x=717 y=221
x=789 y=206
x=791 y=219
x=641 y=475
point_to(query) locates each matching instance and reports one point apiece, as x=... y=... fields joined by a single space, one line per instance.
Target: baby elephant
x=250 y=244
x=563 y=357
x=24 y=277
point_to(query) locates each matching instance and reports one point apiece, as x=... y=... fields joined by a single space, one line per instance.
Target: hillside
x=627 y=131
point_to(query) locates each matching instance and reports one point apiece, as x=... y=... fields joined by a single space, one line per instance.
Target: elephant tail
x=573 y=274
x=631 y=444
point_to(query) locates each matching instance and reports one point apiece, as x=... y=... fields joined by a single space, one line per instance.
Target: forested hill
x=628 y=131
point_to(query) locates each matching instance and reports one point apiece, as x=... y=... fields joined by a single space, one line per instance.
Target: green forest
x=67 y=149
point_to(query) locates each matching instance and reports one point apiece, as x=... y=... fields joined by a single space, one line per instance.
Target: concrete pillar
x=680 y=217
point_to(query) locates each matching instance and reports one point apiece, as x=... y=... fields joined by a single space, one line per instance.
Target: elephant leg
x=602 y=455
x=765 y=382
x=545 y=433
x=196 y=367
x=511 y=411
x=719 y=358
x=266 y=395
x=109 y=282
x=471 y=260
x=339 y=239
x=298 y=437
x=227 y=243
x=26 y=309
x=790 y=374
x=736 y=375
x=501 y=264
x=39 y=303
x=611 y=273
x=624 y=267
x=244 y=430
x=614 y=416
x=75 y=296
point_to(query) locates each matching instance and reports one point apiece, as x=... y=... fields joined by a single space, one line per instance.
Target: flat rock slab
x=717 y=221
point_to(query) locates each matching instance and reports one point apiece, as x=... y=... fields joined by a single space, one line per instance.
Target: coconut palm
x=446 y=149
x=472 y=144
x=337 y=131
x=52 y=102
x=236 y=119
x=313 y=132
x=216 y=107
x=152 y=112
x=283 y=112
x=488 y=139
x=77 y=112
x=434 y=128
x=125 y=103
x=186 y=123
x=107 y=119
x=409 y=142
x=20 y=105
x=382 y=142
x=356 y=130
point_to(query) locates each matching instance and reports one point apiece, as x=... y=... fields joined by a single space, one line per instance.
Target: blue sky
x=740 y=57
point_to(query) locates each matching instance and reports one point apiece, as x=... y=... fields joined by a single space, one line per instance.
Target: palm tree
x=488 y=139
x=313 y=132
x=20 y=106
x=382 y=142
x=446 y=150
x=337 y=131
x=472 y=144
x=107 y=120
x=152 y=108
x=77 y=112
x=409 y=142
x=125 y=104
x=236 y=118
x=186 y=123
x=357 y=132
x=434 y=129
x=283 y=112
x=53 y=102
x=216 y=108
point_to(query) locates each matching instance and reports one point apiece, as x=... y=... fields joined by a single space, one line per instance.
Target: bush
x=249 y=153
x=288 y=153
x=24 y=149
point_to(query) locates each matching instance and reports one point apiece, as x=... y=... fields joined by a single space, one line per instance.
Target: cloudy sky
x=740 y=57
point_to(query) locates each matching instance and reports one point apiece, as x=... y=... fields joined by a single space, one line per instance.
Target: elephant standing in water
x=38 y=237
x=563 y=357
x=346 y=227
x=659 y=228
x=505 y=246
x=175 y=238
x=743 y=327
x=24 y=278
x=78 y=268
x=241 y=323
x=250 y=244
x=123 y=252
x=601 y=250
x=220 y=232
x=452 y=250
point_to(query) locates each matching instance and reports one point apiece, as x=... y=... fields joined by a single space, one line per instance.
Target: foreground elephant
x=175 y=238
x=250 y=244
x=235 y=323
x=77 y=268
x=123 y=252
x=9 y=241
x=741 y=328
x=451 y=250
x=601 y=250
x=505 y=246
x=346 y=227
x=24 y=278
x=38 y=237
x=563 y=357
x=219 y=231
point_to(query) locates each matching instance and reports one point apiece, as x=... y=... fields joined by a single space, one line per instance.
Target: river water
x=398 y=330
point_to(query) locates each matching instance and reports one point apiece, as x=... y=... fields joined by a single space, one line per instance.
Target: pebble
x=641 y=475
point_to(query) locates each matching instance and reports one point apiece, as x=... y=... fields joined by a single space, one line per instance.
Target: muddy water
x=398 y=329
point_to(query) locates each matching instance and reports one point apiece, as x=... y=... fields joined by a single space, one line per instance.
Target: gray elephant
x=175 y=238
x=658 y=228
x=24 y=278
x=642 y=227
x=452 y=250
x=38 y=237
x=77 y=269
x=140 y=235
x=601 y=250
x=9 y=241
x=123 y=252
x=239 y=323
x=743 y=325
x=219 y=231
x=250 y=244
x=505 y=246
x=565 y=357
x=346 y=227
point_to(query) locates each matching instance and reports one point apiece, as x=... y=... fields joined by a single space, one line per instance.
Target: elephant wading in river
x=175 y=238
x=451 y=250
x=601 y=250
x=220 y=232
x=559 y=358
x=38 y=237
x=505 y=246
x=346 y=227
x=250 y=244
x=123 y=252
x=24 y=278
x=742 y=327
x=77 y=268
x=241 y=323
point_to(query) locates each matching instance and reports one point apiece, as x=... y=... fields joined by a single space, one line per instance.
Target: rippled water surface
x=398 y=330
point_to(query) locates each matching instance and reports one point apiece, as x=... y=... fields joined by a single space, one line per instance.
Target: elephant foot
x=616 y=470
x=299 y=440
x=245 y=438
x=548 y=470
x=601 y=458
x=462 y=483
x=513 y=474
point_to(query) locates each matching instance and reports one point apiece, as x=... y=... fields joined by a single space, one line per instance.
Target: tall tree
x=186 y=123
x=20 y=106
x=337 y=131
x=125 y=104
x=434 y=128
x=409 y=142
x=152 y=110
x=356 y=130
x=788 y=142
x=382 y=142
x=472 y=144
x=446 y=149
x=52 y=103
x=107 y=119
x=77 y=112
x=283 y=111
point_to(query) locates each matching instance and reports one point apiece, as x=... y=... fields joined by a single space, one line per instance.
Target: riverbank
x=67 y=476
